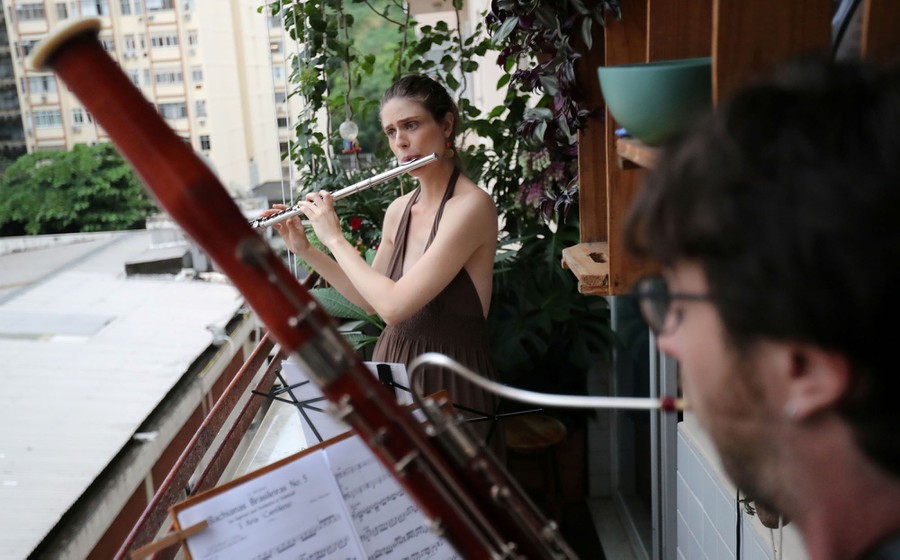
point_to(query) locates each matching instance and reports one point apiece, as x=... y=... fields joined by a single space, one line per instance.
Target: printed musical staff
x=334 y=501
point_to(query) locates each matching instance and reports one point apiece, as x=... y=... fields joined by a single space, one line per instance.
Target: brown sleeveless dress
x=452 y=324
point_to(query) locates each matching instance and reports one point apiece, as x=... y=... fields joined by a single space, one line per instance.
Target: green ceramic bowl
x=654 y=101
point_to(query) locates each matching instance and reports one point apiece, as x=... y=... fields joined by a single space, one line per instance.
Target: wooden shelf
x=636 y=152
x=589 y=262
x=745 y=40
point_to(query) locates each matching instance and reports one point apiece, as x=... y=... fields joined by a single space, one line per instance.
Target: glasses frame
x=655 y=301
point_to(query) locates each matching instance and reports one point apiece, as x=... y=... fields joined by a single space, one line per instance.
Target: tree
x=89 y=188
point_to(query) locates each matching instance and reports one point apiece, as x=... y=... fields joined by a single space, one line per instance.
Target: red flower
x=355 y=223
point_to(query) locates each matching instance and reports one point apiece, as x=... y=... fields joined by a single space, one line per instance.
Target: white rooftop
x=86 y=354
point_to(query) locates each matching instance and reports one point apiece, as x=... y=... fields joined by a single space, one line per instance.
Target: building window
x=125 y=7
x=135 y=76
x=164 y=40
x=130 y=43
x=275 y=46
x=204 y=142
x=24 y=48
x=280 y=97
x=193 y=40
x=157 y=5
x=109 y=45
x=30 y=12
x=277 y=73
x=168 y=76
x=94 y=7
x=147 y=80
x=47 y=119
x=282 y=122
x=173 y=110
x=138 y=7
x=200 y=107
x=62 y=12
x=78 y=116
x=197 y=75
x=42 y=84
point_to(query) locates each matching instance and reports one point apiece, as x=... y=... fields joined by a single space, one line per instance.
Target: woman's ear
x=818 y=380
x=447 y=125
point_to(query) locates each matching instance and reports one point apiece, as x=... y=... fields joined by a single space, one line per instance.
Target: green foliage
x=355 y=320
x=522 y=29
x=542 y=329
x=362 y=214
x=89 y=188
x=360 y=328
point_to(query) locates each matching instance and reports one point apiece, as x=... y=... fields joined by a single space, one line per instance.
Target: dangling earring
x=450 y=151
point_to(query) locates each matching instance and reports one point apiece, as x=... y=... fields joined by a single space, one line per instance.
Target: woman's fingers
x=319 y=198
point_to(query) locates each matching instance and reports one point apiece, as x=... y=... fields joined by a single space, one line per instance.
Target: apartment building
x=12 y=135
x=214 y=69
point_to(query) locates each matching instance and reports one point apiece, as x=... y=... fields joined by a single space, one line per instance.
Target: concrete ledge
x=27 y=242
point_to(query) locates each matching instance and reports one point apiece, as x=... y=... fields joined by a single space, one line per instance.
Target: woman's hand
x=319 y=209
x=291 y=230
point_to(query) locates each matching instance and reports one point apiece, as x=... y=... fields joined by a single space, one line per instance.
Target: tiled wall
x=707 y=515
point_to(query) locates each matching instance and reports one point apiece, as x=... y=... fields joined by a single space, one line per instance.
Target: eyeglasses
x=655 y=300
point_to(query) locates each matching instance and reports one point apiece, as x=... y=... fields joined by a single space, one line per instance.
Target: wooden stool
x=536 y=437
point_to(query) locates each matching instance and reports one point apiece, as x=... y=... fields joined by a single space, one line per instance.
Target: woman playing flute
x=431 y=278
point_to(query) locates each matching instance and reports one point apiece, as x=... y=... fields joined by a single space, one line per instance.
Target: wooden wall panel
x=679 y=29
x=750 y=38
x=881 y=31
x=591 y=141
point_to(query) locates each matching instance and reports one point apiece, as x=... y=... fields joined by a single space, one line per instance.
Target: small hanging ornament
x=349 y=131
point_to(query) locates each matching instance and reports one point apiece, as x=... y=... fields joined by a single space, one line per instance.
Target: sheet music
x=388 y=522
x=318 y=425
x=295 y=511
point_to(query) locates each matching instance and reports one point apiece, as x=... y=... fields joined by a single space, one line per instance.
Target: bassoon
x=466 y=493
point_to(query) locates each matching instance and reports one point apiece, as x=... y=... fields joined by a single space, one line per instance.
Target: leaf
x=506 y=28
x=337 y=305
x=358 y=340
x=586 y=36
x=550 y=84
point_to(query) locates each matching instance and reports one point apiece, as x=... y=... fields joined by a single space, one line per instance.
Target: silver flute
x=294 y=210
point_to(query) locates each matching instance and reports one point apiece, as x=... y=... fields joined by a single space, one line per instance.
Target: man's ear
x=818 y=380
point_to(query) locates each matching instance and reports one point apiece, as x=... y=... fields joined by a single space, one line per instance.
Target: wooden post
x=880 y=37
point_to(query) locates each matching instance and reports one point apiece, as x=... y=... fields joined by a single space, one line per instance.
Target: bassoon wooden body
x=468 y=496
